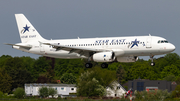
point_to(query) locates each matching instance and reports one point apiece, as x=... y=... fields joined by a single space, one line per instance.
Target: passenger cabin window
x=162 y=41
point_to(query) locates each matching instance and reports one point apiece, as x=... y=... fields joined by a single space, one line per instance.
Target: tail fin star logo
x=26 y=28
x=134 y=43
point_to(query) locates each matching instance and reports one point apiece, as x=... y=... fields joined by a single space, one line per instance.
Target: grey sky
x=59 y=19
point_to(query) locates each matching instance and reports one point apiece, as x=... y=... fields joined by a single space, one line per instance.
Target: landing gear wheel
x=104 y=65
x=152 y=64
x=88 y=65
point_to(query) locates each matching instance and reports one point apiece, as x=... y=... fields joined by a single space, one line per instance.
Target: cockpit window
x=162 y=41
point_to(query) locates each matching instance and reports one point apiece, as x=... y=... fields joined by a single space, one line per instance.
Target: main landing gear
x=89 y=65
x=104 y=65
x=152 y=63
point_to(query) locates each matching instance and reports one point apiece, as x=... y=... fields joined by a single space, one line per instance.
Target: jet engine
x=104 y=57
x=127 y=59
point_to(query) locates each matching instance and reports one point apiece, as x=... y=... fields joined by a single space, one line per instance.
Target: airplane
x=105 y=50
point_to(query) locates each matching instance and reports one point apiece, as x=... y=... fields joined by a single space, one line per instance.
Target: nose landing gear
x=152 y=63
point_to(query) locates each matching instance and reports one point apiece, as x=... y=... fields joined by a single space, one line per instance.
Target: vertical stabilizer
x=26 y=30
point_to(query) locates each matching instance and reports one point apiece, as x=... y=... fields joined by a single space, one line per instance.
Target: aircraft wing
x=80 y=50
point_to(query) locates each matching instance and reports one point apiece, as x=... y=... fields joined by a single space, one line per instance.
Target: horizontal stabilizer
x=25 y=46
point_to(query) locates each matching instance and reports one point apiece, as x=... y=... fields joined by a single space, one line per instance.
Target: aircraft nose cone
x=171 y=47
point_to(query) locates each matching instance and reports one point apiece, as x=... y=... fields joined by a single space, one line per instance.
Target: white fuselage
x=107 y=49
x=121 y=46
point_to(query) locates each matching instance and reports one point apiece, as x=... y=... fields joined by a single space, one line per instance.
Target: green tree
x=22 y=76
x=29 y=66
x=142 y=70
x=61 y=66
x=113 y=66
x=160 y=64
x=170 y=70
x=95 y=89
x=170 y=78
x=152 y=95
x=74 y=66
x=120 y=74
x=3 y=59
x=176 y=92
x=88 y=86
x=16 y=69
x=68 y=78
x=5 y=81
x=47 y=77
x=104 y=76
x=171 y=58
x=178 y=80
x=41 y=65
x=43 y=70
x=43 y=92
x=52 y=91
x=19 y=93
x=1 y=94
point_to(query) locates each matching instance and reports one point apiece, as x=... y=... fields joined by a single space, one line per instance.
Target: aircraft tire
x=104 y=65
x=88 y=65
x=152 y=64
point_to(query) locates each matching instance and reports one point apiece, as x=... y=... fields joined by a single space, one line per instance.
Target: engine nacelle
x=127 y=59
x=104 y=57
